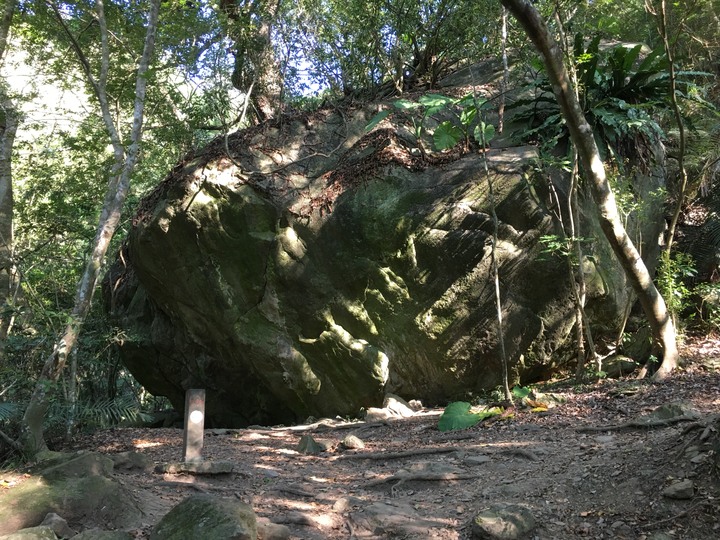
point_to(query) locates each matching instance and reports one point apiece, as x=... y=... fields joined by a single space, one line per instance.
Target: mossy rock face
x=342 y=269
x=99 y=534
x=78 y=466
x=207 y=517
x=40 y=532
x=76 y=487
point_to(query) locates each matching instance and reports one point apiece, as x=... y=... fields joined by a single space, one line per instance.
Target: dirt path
x=596 y=484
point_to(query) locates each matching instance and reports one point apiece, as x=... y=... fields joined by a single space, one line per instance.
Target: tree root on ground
x=682 y=514
x=399 y=455
x=640 y=423
x=191 y=485
x=443 y=450
x=403 y=476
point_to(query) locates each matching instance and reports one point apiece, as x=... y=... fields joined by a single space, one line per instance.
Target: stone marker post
x=194 y=424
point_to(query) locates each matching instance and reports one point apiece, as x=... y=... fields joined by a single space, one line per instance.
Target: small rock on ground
x=503 y=522
x=685 y=489
x=58 y=525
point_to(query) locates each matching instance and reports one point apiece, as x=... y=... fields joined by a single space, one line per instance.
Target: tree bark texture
x=250 y=25
x=9 y=282
x=9 y=119
x=32 y=435
x=654 y=307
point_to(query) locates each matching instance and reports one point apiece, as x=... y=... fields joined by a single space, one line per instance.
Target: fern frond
x=109 y=412
x=8 y=410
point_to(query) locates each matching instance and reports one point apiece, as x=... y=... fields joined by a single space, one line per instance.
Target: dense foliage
x=211 y=69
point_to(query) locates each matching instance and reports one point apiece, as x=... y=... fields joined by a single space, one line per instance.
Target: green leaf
x=520 y=392
x=405 y=104
x=457 y=415
x=468 y=114
x=446 y=136
x=379 y=117
x=435 y=100
x=434 y=103
x=484 y=132
x=474 y=101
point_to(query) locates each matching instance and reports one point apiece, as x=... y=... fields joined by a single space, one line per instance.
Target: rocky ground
x=584 y=469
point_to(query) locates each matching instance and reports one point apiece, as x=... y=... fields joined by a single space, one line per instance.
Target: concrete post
x=194 y=425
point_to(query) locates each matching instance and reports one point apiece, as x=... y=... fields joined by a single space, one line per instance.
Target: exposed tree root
x=403 y=476
x=295 y=491
x=398 y=455
x=191 y=485
x=682 y=514
x=640 y=423
x=294 y=518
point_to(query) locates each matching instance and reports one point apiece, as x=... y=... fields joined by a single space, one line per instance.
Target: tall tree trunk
x=9 y=118
x=9 y=282
x=249 y=25
x=661 y=325
x=32 y=436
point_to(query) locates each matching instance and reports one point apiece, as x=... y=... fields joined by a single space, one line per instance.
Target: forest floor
x=580 y=468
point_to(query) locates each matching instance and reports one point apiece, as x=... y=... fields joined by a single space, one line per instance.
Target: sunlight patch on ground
x=324 y=520
x=265 y=467
x=253 y=436
x=287 y=451
x=320 y=480
x=298 y=505
x=508 y=444
x=281 y=434
x=140 y=443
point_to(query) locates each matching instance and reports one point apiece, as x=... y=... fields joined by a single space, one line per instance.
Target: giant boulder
x=307 y=268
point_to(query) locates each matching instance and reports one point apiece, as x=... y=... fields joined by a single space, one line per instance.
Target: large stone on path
x=81 y=465
x=308 y=268
x=78 y=487
x=503 y=522
x=59 y=526
x=268 y=530
x=207 y=517
x=41 y=532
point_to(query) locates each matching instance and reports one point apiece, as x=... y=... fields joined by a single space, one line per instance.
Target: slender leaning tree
x=126 y=150
x=661 y=324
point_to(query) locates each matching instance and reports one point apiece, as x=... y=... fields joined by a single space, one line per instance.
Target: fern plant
x=110 y=412
x=8 y=411
x=618 y=91
x=98 y=414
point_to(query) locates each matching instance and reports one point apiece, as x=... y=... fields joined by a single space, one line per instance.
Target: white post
x=194 y=425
